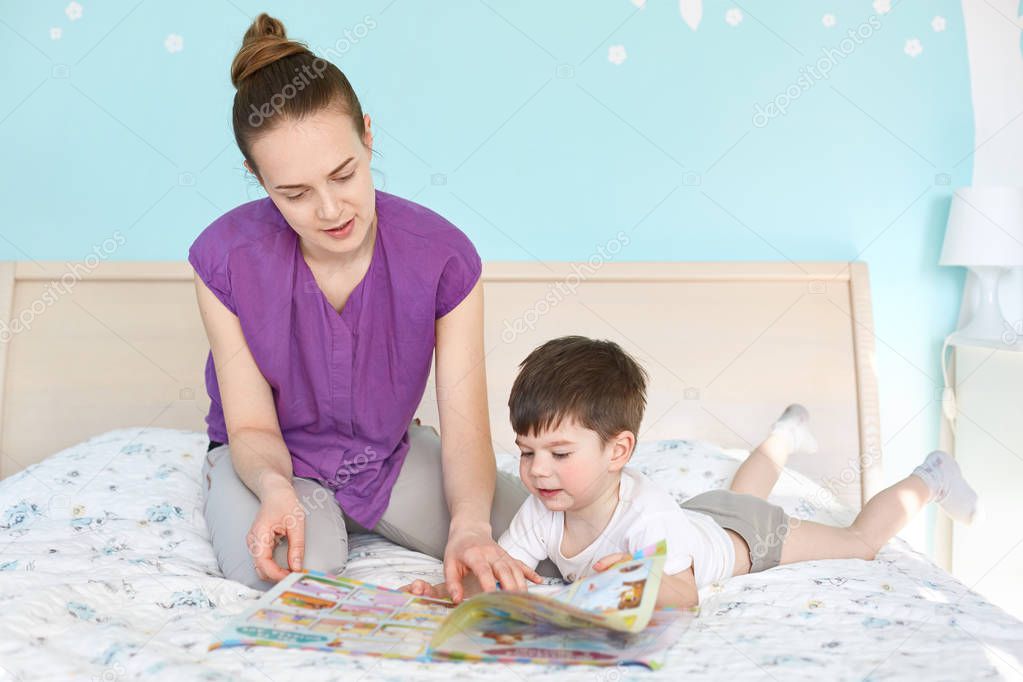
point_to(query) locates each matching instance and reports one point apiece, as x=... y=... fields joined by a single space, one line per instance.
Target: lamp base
x=987 y=323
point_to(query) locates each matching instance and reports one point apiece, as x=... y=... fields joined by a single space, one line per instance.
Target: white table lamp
x=985 y=234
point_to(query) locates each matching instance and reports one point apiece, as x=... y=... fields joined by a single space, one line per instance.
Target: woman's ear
x=367 y=138
x=249 y=169
x=622 y=445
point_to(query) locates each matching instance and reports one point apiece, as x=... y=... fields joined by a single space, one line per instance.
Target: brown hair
x=595 y=382
x=278 y=77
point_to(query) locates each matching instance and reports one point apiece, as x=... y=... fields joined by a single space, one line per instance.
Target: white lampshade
x=985 y=227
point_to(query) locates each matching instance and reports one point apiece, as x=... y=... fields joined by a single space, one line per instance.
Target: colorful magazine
x=604 y=619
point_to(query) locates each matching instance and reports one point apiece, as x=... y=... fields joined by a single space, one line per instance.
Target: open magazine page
x=620 y=598
x=310 y=610
x=623 y=596
x=586 y=622
x=493 y=638
x=605 y=619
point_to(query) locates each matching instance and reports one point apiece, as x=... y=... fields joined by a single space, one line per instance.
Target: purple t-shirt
x=346 y=385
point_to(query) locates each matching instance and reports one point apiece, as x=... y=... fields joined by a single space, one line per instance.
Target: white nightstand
x=987 y=441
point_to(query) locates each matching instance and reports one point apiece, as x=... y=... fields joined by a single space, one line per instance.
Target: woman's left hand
x=471 y=550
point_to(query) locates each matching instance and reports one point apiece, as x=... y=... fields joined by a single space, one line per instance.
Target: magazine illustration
x=604 y=619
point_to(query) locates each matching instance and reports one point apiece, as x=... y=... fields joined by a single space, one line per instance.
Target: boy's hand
x=678 y=590
x=421 y=588
x=610 y=560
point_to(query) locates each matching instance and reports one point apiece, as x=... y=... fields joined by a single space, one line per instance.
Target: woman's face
x=317 y=173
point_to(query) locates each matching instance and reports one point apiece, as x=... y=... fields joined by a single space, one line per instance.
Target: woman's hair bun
x=268 y=89
x=264 y=43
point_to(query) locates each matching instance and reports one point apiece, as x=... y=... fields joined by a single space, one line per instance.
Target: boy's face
x=568 y=467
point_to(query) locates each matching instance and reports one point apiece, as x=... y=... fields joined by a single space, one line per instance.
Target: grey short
x=764 y=526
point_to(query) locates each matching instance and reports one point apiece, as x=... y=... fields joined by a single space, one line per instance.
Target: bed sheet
x=107 y=573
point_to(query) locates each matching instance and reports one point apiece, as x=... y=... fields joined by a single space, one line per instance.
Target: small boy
x=576 y=406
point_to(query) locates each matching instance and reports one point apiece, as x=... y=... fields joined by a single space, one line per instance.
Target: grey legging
x=417 y=516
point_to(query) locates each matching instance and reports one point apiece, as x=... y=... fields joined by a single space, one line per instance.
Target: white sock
x=949 y=489
x=794 y=426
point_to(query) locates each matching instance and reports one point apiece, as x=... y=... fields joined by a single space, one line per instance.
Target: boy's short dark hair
x=595 y=382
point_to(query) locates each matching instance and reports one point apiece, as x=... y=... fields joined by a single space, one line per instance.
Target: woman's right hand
x=280 y=516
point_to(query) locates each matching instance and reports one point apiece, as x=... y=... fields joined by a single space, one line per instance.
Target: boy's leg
x=759 y=472
x=879 y=521
x=888 y=512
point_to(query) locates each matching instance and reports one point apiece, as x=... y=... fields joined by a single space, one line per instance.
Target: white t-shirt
x=645 y=515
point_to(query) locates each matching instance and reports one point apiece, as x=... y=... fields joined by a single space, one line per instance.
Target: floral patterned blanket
x=107 y=573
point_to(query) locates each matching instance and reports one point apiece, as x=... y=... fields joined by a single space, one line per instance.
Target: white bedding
x=106 y=573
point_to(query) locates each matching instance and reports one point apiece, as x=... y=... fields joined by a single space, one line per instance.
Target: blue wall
x=510 y=119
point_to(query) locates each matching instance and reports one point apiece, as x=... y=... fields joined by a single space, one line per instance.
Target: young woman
x=323 y=304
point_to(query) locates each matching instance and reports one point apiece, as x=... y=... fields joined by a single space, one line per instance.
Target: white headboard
x=90 y=347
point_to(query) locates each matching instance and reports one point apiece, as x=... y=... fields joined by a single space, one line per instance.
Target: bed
x=106 y=571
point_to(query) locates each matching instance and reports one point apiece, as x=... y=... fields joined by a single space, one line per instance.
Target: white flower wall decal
x=691 y=11
x=616 y=54
x=913 y=47
x=828 y=20
x=73 y=11
x=56 y=33
x=174 y=43
x=733 y=17
x=882 y=6
x=939 y=24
